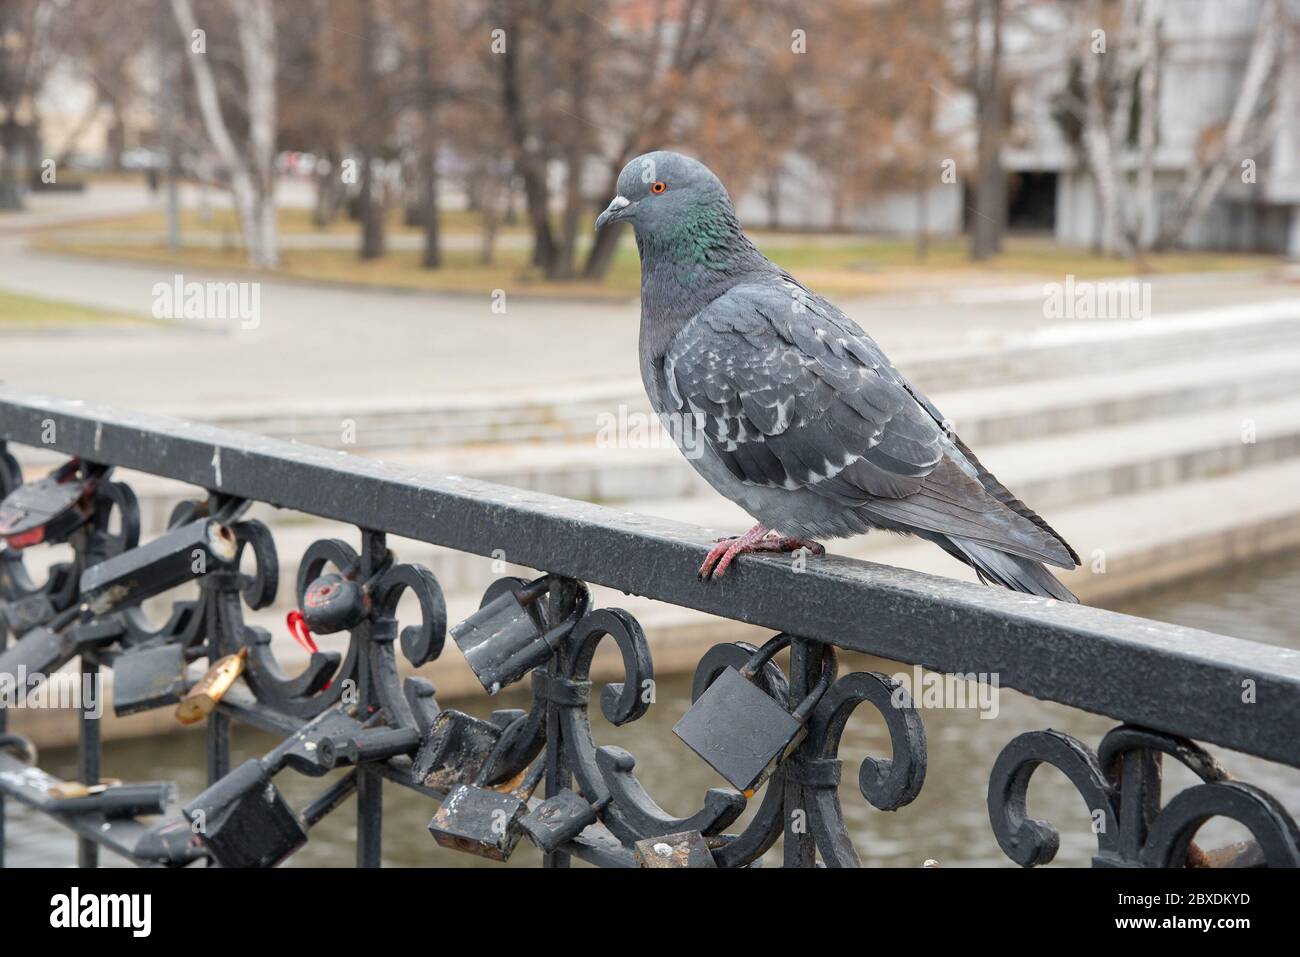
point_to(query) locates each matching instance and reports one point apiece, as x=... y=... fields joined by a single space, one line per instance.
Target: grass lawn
x=296 y=221
x=832 y=264
x=26 y=311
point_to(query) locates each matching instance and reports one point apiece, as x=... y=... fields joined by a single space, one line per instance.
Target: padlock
x=46 y=649
x=742 y=732
x=685 y=849
x=150 y=676
x=560 y=818
x=333 y=603
x=485 y=821
x=507 y=637
x=197 y=703
x=171 y=559
x=243 y=821
x=24 y=614
x=53 y=508
x=455 y=751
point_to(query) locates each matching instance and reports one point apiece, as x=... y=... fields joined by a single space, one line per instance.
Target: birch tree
x=1118 y=53
x=249 y=161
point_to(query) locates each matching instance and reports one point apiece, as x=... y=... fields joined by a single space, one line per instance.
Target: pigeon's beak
x=615 y=211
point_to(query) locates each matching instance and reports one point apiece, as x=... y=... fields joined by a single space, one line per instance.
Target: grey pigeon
x=804 y=421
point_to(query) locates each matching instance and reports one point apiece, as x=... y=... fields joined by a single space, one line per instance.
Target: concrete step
x=1073 y=351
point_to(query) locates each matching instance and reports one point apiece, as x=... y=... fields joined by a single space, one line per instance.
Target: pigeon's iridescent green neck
x=689 y=261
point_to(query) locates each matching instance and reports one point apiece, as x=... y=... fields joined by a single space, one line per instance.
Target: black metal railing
x=536 y=773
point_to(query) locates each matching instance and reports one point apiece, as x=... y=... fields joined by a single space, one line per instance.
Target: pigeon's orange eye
x=659 y=186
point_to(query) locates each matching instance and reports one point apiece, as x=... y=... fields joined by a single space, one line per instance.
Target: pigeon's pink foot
x=756 y=539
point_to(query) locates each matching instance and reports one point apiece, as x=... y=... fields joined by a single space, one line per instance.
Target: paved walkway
x=339 y=343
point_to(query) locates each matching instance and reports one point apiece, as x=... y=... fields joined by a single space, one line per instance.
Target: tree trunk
x=991 y=190
x=369 y=208
x=530 y=161
x=432 y=257
x=252 y=173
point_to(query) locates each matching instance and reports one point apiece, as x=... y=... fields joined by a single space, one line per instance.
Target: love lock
x=197 y=703
x=46 y=649
x=560 y=818
x=507 y=638
x=148 y=677
x=243 y=821
x=685 y=849
x=455 y=751
x=485 y=821
x=53 y=508
x=171 y=559
x=742 y=732
x=334 y=603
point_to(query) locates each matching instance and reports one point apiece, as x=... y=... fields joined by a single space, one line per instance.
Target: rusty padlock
x=742 y=732
x=485 y=821
x=685 y=849
x=508 y=636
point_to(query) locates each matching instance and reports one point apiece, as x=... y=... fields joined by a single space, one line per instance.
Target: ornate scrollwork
x=1120 y=785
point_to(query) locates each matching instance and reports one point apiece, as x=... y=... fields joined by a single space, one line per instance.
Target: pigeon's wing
x=789 y=393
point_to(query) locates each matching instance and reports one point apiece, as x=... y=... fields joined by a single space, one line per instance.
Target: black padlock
x=24 y=614
x=44 y=650
x=175 y=557
x=455 y=751
x=684 y=849
x=560 y=818
x=243 y=821
x=507 y=637
x=742 y=732
x=150 y=676
x=485 y=821
x=53 y=508
x=333 y=603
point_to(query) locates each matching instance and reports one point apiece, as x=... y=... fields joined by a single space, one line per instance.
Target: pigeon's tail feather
x=1011 y=571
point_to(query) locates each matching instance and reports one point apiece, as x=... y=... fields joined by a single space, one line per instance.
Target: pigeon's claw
x=756 y=539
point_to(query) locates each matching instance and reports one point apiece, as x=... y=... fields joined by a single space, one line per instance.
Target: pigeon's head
x=658 y=189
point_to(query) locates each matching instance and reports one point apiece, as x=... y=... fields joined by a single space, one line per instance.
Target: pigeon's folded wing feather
x=790 y=394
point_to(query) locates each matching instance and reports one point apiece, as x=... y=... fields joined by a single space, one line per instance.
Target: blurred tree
x=1110 y=110
x=248 y=155
x=26 y=54
x=991 y=107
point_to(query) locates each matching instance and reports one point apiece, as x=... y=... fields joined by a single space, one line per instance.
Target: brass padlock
x=742 y=732
x=507 y=637
x=198 y=702
x=485 y=821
